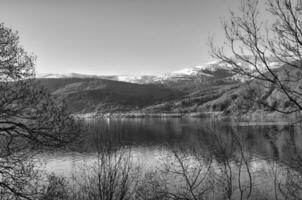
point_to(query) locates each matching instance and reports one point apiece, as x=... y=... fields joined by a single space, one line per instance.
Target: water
x=257 y=158
x=152 y=139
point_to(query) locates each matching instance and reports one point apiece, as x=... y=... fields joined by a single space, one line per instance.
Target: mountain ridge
x=84 y=95
x=200 y=70
x=214 y=87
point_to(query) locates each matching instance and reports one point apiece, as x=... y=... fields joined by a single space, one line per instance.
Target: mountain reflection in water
x=152 y=139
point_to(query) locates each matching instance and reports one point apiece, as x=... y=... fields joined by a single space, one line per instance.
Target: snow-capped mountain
x=144 y=79
x=214 y=70
x=70 y=75
x=208 y=70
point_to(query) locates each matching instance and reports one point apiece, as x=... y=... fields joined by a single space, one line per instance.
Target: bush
x=56 y=189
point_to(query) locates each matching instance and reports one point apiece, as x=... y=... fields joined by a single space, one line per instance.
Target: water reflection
x=237 y=159
x=149 y=138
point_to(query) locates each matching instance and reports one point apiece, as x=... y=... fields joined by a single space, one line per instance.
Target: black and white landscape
x=150 y=100
x=214 y=89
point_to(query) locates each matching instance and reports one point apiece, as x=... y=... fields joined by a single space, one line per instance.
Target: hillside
x=84 y=95
x=237 y=98
x=209 y=88
x=188 y=89
x=255 y=95
x=194 y=76
x=201 y=100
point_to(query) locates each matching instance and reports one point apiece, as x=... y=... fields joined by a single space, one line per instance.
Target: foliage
x=30 y=118
x=268 y=53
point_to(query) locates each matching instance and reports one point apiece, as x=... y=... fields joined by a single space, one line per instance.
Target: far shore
x=257 y=116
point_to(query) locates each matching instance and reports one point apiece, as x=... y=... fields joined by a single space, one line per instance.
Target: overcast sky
x=116 y=36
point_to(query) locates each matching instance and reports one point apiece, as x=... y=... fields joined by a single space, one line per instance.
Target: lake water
x=266 y=148
x=149 y=139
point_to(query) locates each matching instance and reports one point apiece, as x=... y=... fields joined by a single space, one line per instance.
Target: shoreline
x=257 y=116
x=152 y=115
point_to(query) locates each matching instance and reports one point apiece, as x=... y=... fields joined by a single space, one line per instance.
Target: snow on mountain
x=131 y=79
x=199 y=70
x=69 y=75
x=144 y=79
x=211 y=70
x=190 y=72
x=124 y=78
x=50 y=76
x=186 y=71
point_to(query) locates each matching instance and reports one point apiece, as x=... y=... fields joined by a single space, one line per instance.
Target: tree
x=30 y=118
x=268 y=51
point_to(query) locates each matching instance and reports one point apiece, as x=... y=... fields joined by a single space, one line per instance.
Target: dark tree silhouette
x=29 y=118
x=266 y=34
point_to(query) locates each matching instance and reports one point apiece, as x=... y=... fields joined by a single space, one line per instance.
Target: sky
x=109 y=37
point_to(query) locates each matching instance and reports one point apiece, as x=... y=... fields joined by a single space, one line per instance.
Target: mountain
x=110 y=94
x=213 y=87
x=208 y=73
x=144 y=79
x=213 y=70
x=85 y=95
x=239 y=98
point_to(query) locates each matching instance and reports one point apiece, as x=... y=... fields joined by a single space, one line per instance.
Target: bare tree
x=263 y=37
x=29 y=118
